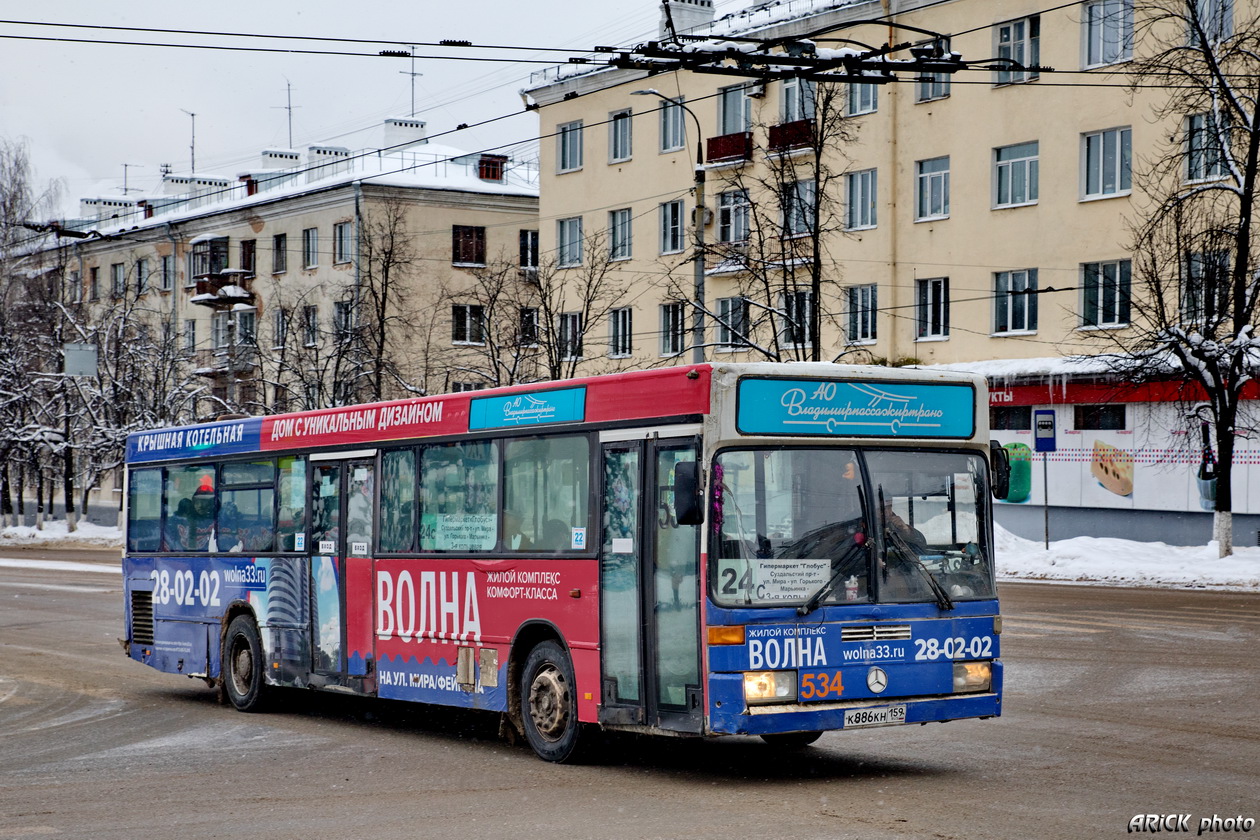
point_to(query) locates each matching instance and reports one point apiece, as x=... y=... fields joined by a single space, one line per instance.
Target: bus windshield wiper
x=842 y=566
x=911 y=556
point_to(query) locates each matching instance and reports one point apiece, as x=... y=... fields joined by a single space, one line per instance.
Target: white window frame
x=1097 y=148
x=190 y=335
x=797 y=327
x=166 y=278
x=117 y=279
x=343 y=320
x=862 y=98
x=798 y=208
x=733 y=216
x=569 y=334
x=468 y=324
x=1015 y=302
x=1195 y=295
x=75 y=282
x=1217 y=18
x=862 y=188
x=1205 y=160
x=279 y=253
x=796 y=100
x=673 y=125
x=931 y=308
x=929 y=87
x=569 y=242
x=732 y=324
x=620 y=234
x=1016 y=179
x=863 y=306
x=621 y=333
x=342 y=247
x=1020 y=41
x=734 y=110
x=310 y=325
x=246 y=327
x=310 y=247
x=620 y=135
x=931 y=189
x=569 y=146
x=142 y=275
x=673 y=329
x=1114 y=293
x=673 y=226
x=1107 y=32
x=219 y=331
x=279 y=327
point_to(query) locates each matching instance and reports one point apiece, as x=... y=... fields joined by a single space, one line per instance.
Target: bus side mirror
x=688 y=502
x=1000 y=469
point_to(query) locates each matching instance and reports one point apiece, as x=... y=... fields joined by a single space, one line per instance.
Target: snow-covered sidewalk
x=1099 y=560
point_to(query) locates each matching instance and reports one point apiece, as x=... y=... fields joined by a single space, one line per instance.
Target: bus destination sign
x=855 y=408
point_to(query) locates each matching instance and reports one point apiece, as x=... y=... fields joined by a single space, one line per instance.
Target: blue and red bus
x=712 y=549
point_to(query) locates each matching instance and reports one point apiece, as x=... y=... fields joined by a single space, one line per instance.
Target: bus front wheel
x=243 y=664
x=549 y=703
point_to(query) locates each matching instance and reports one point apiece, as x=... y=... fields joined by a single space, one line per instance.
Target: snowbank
x=55 y=535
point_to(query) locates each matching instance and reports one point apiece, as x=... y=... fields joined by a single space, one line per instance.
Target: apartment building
x=981 y=218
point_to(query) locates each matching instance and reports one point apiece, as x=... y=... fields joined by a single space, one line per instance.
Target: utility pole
x=193 y=145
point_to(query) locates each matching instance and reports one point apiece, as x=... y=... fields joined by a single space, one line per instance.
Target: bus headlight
x=769 y=687
x=972 y=676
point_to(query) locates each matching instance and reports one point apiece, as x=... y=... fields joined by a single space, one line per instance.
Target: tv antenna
x=192 y=147
x=412 y=73
x=289 y=106
x=126 y=166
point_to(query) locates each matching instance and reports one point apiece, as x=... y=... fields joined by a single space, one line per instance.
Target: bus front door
x=649 y=591
x=341 y=570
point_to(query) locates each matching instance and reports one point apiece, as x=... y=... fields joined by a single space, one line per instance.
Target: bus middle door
x=342 y=493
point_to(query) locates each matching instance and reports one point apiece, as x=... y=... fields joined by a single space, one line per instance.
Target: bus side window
x=459 y=487
x=291 y=490
x=144 y=511
x=190 y=508
x=398 y=501
x=246 y=519
x=546 y=485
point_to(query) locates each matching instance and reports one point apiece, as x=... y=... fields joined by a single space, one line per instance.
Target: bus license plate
x=875 y=717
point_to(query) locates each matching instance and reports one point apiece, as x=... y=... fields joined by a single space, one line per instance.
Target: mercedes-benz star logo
x=876 y=679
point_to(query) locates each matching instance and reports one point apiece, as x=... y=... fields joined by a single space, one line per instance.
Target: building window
x=673 y=328
x=1107 y=162
x=94 y=283
x=279 y=253
x=1205 y=147
x=1105 y=293
x=569 y=145
x=1015 y=175
x=1015 y=301
x=1205 y=287
x=932 y=307
x=468 y=245
x=569 y=242
x=491 y=167
x=862 y=189
x=1213 y=18
x=310 y=247
x=862 y=99
x=468 y=324
x=931 y=86
x=220 y=323
x=310 y=325
x=1018 y=41
x=343 y=242
x=1098 y=417
x=75 y=283
x=460 y=387
x=620 y=138
x=1108 y=32
x=732 y=326
x=673 y=127
x=190 y=336
x=527 y=335
x=798 y=318
x=529 y=249
x=1010 y=418
x=863 y=304
x=733 y=216
x=279 y=328
x=209 y=256
x=798 y=100
x=734 y=110
x=249 y=256
x=142 y=276
x=619 y=234
x=570 y=334
x=672 y=227
x=798 y=208
x=343 y=320
x=932 y=188
x=246 y=327
x=118 y=280
x=622 y=337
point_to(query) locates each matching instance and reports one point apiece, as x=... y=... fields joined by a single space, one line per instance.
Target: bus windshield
x=829 y=526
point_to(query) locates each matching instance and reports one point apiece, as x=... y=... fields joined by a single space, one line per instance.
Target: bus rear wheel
x=791 y=740
x=549 y=703
x=242 y=667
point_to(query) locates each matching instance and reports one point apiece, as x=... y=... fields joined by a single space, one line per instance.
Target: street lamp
x=697 y=258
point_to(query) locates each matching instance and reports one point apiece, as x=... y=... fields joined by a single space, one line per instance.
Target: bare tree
x=1195 y=274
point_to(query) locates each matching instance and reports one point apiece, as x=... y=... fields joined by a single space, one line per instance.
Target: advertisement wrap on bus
x=741 y=549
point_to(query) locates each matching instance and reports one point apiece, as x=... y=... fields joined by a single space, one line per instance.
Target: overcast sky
x=86 y=109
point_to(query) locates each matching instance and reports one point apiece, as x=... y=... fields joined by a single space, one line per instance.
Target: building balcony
x=224 y=361
x=223 y=290
x=729 y=148
x=792 y=135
